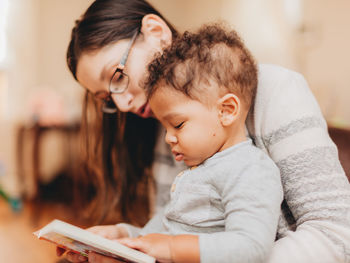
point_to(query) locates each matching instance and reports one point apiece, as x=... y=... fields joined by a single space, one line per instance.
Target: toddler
x=201 y=90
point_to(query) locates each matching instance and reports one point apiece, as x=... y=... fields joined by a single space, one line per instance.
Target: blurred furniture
x=341 y=138
x=46 y=160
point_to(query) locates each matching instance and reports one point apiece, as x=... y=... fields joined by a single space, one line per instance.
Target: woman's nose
x=123 y=101
x=170 y=138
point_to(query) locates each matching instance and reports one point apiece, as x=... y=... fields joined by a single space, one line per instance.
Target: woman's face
x=95 y=70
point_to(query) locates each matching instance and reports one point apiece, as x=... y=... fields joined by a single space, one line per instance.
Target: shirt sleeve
x=252 y=208
x=291 y=128
x=155 y=224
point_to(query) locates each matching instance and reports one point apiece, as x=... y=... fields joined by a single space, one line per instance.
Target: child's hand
x=155 y=245
x=108 y=231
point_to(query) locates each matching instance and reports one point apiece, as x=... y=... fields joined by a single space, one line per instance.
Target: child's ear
x=153 y=27
x=229 y=107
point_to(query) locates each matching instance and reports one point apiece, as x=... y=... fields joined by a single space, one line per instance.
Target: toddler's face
x=194 y=130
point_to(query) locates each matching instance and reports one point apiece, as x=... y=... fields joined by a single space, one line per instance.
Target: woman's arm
x=288 y=124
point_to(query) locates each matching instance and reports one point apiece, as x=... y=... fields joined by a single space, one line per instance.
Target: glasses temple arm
x=126 y=54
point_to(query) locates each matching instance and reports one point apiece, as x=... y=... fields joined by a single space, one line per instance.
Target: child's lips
x=178 y=156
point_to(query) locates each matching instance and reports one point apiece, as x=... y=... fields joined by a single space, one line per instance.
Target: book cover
x=81 y=241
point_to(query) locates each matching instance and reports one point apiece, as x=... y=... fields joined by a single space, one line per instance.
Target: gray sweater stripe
x=288 y=130
x=322 y=159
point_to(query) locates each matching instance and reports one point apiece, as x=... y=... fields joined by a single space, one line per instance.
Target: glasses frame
x=108 y=105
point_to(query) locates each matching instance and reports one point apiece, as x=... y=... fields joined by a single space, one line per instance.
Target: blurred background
x=40 y=103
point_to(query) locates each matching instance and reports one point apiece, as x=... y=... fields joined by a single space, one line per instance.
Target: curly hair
x=212 y=56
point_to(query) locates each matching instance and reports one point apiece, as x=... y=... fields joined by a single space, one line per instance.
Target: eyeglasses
x=118 y=83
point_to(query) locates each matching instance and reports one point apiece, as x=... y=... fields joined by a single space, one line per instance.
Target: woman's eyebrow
x=103 y=73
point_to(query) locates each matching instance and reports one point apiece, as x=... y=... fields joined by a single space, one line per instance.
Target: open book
x=82 y=242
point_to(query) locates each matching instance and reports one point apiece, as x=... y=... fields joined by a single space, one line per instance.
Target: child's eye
x=179 y=126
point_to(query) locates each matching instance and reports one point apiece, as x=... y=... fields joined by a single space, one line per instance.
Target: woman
x=108 y=55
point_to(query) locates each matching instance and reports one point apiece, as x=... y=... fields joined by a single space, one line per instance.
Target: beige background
x=314 y=41
x=316 y=45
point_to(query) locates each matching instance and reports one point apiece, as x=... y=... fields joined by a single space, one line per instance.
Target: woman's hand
x=108 y=231
x=97 y=258
x=155 y=245
x=93 y=258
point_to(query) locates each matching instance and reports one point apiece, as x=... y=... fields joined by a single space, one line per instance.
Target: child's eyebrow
x=171 y=115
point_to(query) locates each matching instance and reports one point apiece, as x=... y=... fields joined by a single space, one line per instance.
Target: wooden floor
x=17 y=242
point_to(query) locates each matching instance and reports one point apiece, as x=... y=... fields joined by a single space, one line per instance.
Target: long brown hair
x=118 y=148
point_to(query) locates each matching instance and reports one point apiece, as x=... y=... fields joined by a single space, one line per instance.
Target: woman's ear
x=229 y=107
x=155 y=29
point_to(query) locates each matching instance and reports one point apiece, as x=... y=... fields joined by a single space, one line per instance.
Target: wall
x=326 y=56
x=320 y=45
x=23 y=53
x=56 y=21
x=38 y=35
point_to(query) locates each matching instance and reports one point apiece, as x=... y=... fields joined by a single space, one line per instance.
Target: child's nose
x=170 y=138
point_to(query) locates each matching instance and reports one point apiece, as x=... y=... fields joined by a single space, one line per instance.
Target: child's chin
x=191 y=163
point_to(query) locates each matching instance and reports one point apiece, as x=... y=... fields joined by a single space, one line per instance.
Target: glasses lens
x=119 y=82
x=109 y=107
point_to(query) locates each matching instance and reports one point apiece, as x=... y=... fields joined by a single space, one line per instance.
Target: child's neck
x=235 y=135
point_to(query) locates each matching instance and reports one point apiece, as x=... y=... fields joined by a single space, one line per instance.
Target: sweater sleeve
x=155 y=224
x=252 y=208
x=289 y=125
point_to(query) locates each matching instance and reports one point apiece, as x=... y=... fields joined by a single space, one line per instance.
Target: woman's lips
x=145 y=111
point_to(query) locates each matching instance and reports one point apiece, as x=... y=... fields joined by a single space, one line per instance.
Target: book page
x=82 y=242
x=78 y=247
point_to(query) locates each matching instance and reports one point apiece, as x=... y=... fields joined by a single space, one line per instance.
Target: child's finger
x=131 y=242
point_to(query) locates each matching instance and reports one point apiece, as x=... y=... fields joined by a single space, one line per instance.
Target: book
x=81 y=241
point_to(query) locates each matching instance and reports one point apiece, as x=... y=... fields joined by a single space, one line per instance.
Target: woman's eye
x=179 y=126
x=118 y=77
